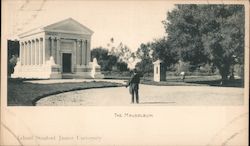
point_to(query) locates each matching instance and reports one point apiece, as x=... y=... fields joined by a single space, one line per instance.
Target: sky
x=129 y=22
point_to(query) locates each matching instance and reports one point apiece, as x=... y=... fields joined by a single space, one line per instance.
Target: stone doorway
x=66 y=63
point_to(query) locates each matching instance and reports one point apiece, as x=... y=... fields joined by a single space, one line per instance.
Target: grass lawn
x=214 y=80
x=21 y=93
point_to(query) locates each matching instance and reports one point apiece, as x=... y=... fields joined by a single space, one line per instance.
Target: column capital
x=50 y=37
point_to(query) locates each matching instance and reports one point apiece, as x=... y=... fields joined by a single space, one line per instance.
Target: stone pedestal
x=83 y=71
x=53 y=70
x=49 y=70
x=17 y=70
x=159 y=71
x=90 y=71
x=96 y=70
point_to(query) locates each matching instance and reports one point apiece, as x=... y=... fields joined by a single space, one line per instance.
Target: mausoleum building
x=56 y=50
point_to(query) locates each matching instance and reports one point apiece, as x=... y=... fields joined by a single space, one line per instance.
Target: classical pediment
x=65 y=26
x=68 y=25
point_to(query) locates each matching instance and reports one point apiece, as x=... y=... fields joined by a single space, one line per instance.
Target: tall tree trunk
x=224 y=72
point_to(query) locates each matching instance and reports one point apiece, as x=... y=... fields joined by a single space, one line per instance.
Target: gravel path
x=149 y=95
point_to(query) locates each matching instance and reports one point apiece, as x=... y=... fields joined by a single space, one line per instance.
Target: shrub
x=239 y=70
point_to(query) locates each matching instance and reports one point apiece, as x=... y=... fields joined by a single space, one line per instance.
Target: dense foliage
x=13 y=53
x=108 y=61
x=207 y=34
x=145 y=65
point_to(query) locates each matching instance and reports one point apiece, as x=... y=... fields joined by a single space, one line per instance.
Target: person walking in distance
x=134 y=86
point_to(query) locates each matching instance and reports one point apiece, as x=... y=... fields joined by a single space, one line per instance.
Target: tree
x=105 y=60
x=122 y=66
x=146 y=62
x=144 y=51
x=152 y=51
x=123 y=52
x=101 y=54
x=224 y=45
x=207 y=34
x=108 y=61
x=162 y=51
x=13 y=53
x=145 y=66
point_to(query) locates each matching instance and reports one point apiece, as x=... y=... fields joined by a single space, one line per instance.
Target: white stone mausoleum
x=57 y=50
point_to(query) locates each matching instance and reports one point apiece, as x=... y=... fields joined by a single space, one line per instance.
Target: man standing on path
x=134 y=86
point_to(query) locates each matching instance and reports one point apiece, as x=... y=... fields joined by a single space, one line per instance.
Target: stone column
x=47 y=46
x=58 y=61
x=39 y=51
x=43 y=49
x=78 y=52
x=83 y=52
x=87 y=51
x=29 y=55
x=25 y=53
x=35 y=46
x=22 y=59
x=34 y=52
x=50 y=46
x=31 y=52
x=54 y=49
x=21 y=52
x=74 y=57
